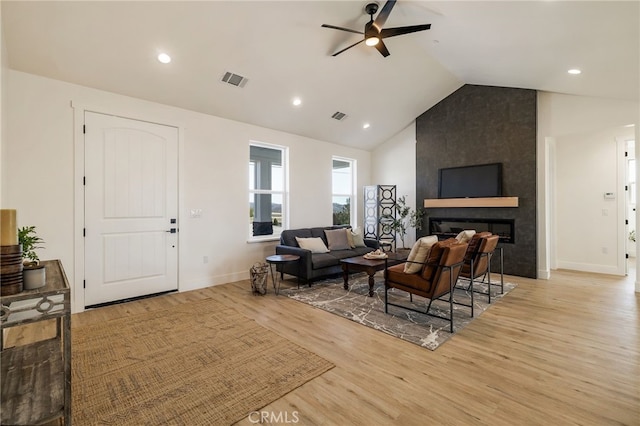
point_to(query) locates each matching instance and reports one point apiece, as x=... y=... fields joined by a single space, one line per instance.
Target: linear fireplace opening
x=450 y=227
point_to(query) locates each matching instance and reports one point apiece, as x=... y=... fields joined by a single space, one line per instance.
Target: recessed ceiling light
x=297 y=101
x=574 y=71
x=366 y=125
x=164 y=58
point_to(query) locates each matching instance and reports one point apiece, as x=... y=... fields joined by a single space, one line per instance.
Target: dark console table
x=36 y=377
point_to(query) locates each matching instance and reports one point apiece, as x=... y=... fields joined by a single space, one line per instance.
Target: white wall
x=43 y=139
x=394 y=163
x=3 y=99
x=588 y=127
x=588 y=227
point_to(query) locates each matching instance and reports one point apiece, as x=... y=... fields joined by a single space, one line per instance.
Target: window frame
x=352 y=184
x=284 y=192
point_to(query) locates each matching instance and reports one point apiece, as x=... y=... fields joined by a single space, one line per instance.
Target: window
x=343 y=182
x=267 y=191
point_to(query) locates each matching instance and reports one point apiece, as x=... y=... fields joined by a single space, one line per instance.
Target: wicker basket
x=259 y=273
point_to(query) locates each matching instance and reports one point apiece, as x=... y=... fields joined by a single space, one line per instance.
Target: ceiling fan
x=373 y=31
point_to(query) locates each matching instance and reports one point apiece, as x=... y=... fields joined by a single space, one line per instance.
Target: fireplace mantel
x=471 y=202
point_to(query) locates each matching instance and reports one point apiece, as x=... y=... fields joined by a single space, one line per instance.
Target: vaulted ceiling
x=282 y=50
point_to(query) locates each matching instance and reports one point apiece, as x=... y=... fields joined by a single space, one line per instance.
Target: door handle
x=172 y=230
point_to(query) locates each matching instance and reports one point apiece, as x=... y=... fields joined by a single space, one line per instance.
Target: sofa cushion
x=288 y=236
x=316 y=245
x=318 y=232
x=343 y=254
x=323 y=260
x=418 y=254
x=358 y=239
x=337 y=239
x=397 y=275
x=352 y=244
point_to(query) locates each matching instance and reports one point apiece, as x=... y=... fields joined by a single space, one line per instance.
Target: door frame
x=79 y=109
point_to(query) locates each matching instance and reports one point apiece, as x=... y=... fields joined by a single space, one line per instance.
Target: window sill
x=268 y=239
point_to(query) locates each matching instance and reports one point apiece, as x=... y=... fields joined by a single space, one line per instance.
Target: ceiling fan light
x=372 y=41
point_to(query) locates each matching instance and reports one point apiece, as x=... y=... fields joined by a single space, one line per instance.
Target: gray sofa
x=313 y=266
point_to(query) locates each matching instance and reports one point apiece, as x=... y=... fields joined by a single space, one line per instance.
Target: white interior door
x=131 y=206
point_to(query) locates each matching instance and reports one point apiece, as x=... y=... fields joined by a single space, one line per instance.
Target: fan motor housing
x=371 y=8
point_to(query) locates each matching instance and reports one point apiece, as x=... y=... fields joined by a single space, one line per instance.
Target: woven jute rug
x=424 y=330
x=198 y=363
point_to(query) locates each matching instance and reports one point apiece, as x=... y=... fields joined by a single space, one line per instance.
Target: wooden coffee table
x=370 y=266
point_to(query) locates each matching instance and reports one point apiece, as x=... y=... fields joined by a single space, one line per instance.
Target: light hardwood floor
x=558 y=352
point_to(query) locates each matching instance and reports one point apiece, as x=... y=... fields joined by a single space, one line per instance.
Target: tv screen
x=483 y=180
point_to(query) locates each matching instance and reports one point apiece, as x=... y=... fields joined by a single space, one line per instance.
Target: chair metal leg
x=489 y=276
x=501 y=271
x=472 y=303
x=386 y=299
x=451 y=283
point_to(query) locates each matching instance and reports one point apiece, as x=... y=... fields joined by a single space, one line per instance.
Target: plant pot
x=34 y=277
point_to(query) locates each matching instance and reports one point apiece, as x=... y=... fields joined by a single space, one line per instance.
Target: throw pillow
x=358 y=239
x=465 y=236
x=337 y=239
x=419 y=253
x=316 y=245
x=352 y=244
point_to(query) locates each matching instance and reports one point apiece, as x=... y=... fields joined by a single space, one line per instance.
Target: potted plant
x=33 y=273
x=404 y=219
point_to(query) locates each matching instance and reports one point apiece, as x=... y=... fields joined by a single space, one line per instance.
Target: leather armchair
x=477 y=261
x=436 y=279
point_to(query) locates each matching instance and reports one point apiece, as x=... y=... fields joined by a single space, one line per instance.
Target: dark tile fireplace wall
x=480 y=125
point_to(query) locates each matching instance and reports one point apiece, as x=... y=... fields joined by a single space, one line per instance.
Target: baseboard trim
x=211 y=280
x=588 y=267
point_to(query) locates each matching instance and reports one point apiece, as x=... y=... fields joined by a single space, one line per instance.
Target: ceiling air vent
x=339 y=115
x=234 y=79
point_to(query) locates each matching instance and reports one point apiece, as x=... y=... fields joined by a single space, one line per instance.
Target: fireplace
x=450 y=227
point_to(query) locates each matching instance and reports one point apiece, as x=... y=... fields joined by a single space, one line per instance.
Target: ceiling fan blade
x=382 y=49
x=341 y=29
x=384 y=14
x=346 y=48
x=391 y=32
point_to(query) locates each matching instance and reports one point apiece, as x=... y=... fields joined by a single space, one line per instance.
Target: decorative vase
x=34 y=277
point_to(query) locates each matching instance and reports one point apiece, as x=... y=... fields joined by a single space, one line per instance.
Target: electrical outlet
x=605 y=250
x=205 y=259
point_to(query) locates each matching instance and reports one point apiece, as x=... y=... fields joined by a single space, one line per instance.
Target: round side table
x=279 y=259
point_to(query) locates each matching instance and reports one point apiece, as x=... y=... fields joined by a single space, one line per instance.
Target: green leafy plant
x=404 y=219
x=30 y=241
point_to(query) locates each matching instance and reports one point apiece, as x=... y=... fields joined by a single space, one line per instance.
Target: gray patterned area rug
x=423 y=330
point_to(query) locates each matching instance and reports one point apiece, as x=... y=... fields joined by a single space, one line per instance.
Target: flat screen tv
x=484 y=180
